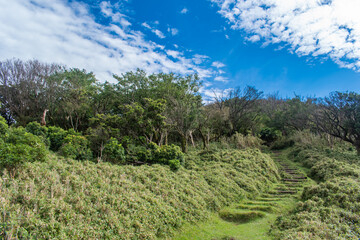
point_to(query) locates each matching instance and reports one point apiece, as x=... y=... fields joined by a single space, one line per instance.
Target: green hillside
x=67 y=199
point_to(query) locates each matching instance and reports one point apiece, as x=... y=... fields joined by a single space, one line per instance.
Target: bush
x=114 y=152
x=241 y=141
x=168 y=155
x=38 y=130
x=19 y=147
x=76 y=147
x=269 y=135
x=4 y=128
x=282 y=143
x=56 y=136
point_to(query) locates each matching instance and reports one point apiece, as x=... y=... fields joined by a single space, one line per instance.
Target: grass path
x=252 y=219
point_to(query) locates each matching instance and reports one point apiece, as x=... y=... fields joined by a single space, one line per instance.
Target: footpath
x=252 y=219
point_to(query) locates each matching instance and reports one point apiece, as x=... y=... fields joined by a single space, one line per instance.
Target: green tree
x=73 y=105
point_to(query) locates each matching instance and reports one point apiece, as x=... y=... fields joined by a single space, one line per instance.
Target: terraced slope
x=252 y=219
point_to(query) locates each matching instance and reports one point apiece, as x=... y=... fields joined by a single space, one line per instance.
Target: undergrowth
x=67 y=199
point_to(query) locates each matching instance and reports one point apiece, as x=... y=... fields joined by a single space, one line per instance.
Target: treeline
x=157 y=110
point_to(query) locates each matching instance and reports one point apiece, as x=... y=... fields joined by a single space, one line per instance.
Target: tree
x=339 y=116
x=243 y=108
x=145 y=120
x=288 y=115
x=183 y=101
x=24 y=90
x=72 y=105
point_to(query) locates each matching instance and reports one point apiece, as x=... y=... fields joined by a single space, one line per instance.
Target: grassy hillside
x=68 y=199
x=329 y=209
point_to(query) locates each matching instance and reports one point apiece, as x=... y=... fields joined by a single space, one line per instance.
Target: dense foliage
x=18 y=146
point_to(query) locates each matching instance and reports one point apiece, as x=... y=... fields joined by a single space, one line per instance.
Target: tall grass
x=67 y=199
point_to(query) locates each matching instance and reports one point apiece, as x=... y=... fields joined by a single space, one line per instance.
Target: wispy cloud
x=184 y=11
x=67 y=33
x=325 y=28
x=221 y=79
x=117 y=17
x=218 y=64
x=199 y=59
x=157 y=32
x=210 y=95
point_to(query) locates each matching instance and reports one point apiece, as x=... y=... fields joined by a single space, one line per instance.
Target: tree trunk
x=192 y=139
x=183 y=144
x=358 y=149
x=203 y=137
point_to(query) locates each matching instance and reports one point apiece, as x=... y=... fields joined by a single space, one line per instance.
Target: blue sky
x=307 y=47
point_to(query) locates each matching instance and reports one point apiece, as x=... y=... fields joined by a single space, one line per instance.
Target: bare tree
x=243 y=108
x=23 y=89
x=339 y=115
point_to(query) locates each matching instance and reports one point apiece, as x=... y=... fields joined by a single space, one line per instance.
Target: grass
x=239 y=215
x=257 y=207
x=67 y=199
x=248 y=219
x=218 y=228
x=328 y=208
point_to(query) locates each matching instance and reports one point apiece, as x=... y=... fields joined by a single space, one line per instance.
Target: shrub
x=19 y=147
x=4 y=128
x=56 y=136
x=168 y=155
x=114 y=152
x=241 y=141
x=282 y=143
x=76 y=147
x=269 y=135
x=38 y=130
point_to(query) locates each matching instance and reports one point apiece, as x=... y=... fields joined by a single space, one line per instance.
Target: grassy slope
x=329 y=209
x=67 y=199
x=217 y=228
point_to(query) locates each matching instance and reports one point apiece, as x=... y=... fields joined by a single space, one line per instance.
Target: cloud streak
x=318 y=28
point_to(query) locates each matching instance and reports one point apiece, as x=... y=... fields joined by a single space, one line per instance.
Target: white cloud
x=199 y=59
x=107 y=10
x=221 y=79
x=173 y=31
x=158 y=33
x=254 y=38
x=52 y=31
x=154 y=30
x=184 y=11
x=174 y=54
x=324 y=28
x=210 y=95
x=218 y=64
